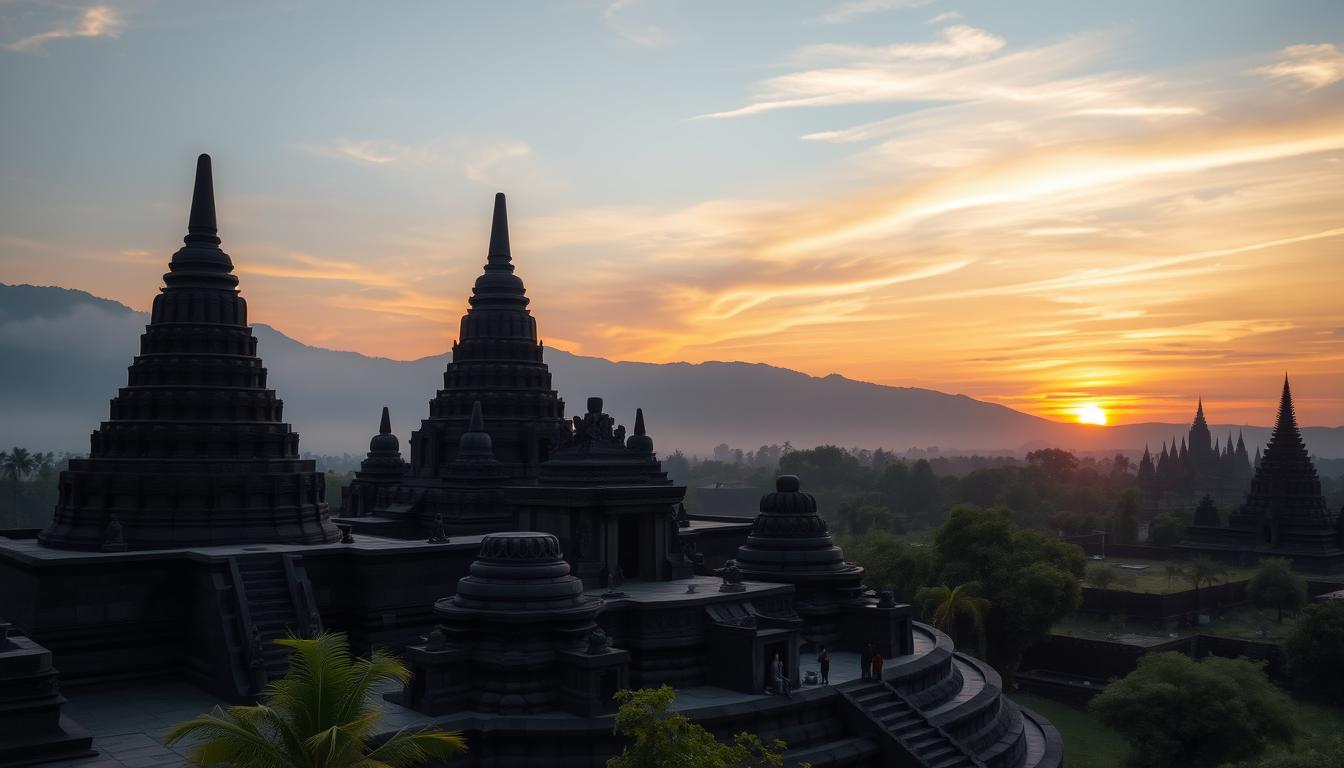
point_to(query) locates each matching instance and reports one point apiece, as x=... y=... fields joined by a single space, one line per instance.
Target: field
x=1087 y=743
x=1154 y=579
x=1243 y=622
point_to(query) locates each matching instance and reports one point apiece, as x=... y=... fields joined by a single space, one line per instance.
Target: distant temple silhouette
x=1179 y=477
x=1284 y=513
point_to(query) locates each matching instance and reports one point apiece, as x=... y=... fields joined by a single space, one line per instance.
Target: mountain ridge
x=69 y=350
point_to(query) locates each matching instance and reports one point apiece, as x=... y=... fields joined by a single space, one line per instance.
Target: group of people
x=870 y=667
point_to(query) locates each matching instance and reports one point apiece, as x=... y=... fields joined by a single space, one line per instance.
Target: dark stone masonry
x=525 y=565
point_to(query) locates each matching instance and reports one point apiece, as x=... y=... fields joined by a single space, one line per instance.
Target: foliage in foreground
x=1315 y=651
x=664 y=739
x=1175 y=711
x=319 y=715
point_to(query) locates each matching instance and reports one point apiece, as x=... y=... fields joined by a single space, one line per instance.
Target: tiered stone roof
x=195 y=450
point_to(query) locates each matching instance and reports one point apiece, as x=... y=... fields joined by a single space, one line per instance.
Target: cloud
x=847 y=12
x=1311 y=66
x=475 y=160
x=945 y=16
x=959 y=42
x=95 y=21
x=641 y=35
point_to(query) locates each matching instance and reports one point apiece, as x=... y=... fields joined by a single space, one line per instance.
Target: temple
x=1179 y=477
x=194 y=451
x=1284 y=513
x=526 y=566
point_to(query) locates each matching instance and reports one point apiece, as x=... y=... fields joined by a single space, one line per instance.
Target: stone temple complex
x=525 y=565
x=1284 y=513
x=1179 y=477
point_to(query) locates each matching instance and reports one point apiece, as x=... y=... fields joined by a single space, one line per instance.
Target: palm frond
x=409 y=748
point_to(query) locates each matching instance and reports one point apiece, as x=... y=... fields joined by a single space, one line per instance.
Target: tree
x=1166 y=529
x=1031 y=580
x=890 y=563
x=664 y=739
x=1101 y=576
x=1328 y=755
x=16 y=465
x=952 y=609
x=1315 y=650
x=1175 y=711
x=922 y=495
x=1125 y=519
x=1056 y=464
x=1202 y=570
x=1173 y=571
x=318 y=714
x=1274 y=585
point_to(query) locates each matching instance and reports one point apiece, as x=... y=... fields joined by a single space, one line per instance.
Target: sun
x=1090 y=413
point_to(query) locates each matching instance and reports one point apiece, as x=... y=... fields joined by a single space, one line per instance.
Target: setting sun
x=1091 y=413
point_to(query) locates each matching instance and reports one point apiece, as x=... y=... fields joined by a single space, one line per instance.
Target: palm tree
x=947 y=608
x=1174 y=571
x=18 y=463
x=319 y=715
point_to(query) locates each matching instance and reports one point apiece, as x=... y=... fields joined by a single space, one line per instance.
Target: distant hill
x=65 y=354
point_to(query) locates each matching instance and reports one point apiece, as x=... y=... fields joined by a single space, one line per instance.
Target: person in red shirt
x=877 y=665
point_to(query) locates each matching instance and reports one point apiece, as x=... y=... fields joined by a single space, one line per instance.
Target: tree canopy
x=1031 y=580
x=1315 y=651
x=1274 y=585
x=665 y=739
x=1177 y=712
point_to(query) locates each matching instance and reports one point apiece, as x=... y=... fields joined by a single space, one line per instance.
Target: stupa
x=383 y=467
x=195 y=451
x=790 y=543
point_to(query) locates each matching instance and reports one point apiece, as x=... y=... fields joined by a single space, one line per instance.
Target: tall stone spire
x=497 y=360
x=499 y=234
x=640 y=442
x=1285 y=442
x=195 y=451
x=385 y=426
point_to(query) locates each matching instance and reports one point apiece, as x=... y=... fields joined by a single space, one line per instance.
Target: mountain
x=66 y=353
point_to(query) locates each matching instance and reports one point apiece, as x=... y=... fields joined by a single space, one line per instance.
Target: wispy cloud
x=1308 y=66
x=945 y=16
x=475 y=160
x=620 y=18
x=95 y=21
x=847 y=12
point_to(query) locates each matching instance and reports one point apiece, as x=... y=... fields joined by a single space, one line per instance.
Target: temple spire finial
x=499 y=233
x=385 y=426
x=201 y=226
x=477 y=423
x=639 y=421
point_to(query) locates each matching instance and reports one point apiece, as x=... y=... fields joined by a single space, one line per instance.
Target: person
x=877 y=665
x=824 y=659
x=781 y=681
x=866 y=662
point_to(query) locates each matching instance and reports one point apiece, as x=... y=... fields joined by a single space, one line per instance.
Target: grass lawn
x=1241 y=622
x=1087 y=743
x=1153 y=579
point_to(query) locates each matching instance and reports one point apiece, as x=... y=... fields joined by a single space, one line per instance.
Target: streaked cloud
x=475 y=160
x=1310 y=66
x=844 y=13
x=94 y=21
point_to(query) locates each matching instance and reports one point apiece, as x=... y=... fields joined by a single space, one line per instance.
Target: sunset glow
x=1110 y=204
x=1091 y=413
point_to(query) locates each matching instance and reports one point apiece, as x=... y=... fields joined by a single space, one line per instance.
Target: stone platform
x=829 y=726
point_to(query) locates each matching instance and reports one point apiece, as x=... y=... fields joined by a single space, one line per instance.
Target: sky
x=1048 y=205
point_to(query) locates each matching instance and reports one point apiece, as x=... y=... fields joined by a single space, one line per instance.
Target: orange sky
x=1024 y=222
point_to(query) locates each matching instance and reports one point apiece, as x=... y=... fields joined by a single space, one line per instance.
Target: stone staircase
x=928 y=744
x=944 y=709
x=274 y=601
